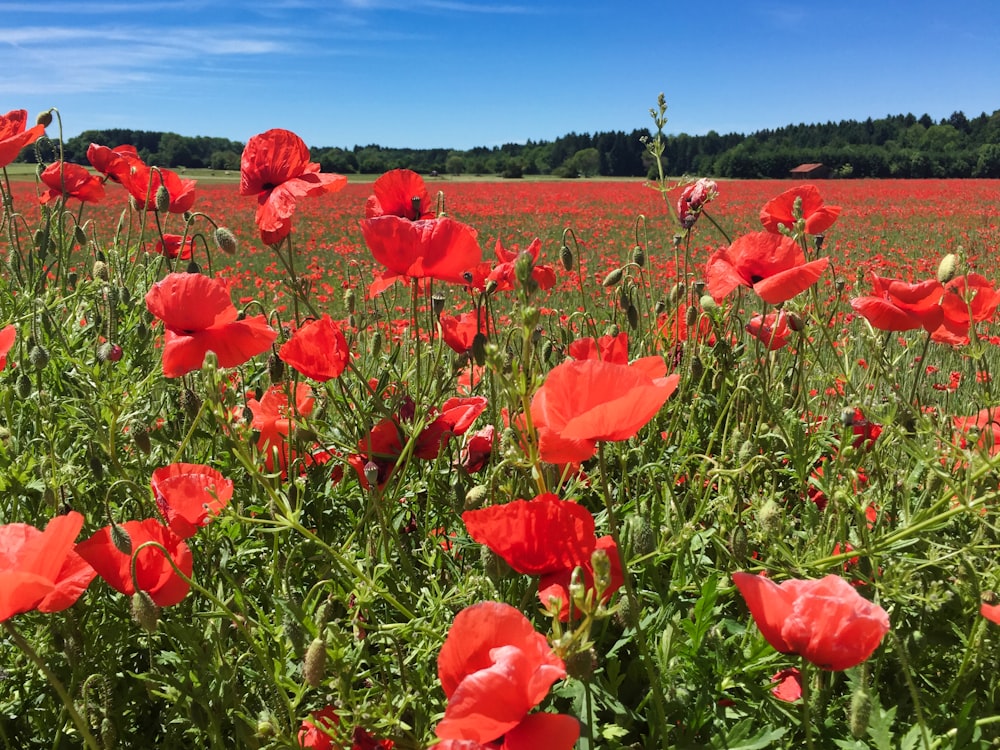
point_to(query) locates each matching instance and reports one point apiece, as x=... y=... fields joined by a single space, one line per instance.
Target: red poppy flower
x=40 y=569
x=190 y=495
x=967 y=300
x=555 y=585
x=14 y=136
x=275 y=167
x=318 y=350
x=985 y=424
x=789 y=685
x=504 y=275
x=612 y=349
x=991 y=612
x=773 y=265
x=771 y=330
x=314 y=734
x=826 y=621
x=7 y=336
x=273 y=418
x=494 y=668
x=171 y=246
x=200 y=317
x=402 y=193
x=113 y=163
x=154 y=573
x=458 y=332
x=781 y=210
x=693 y=199
x=901 y=306
x=456 y=417
x=381 y=448
x=143 y=183
x=71 y=181
x=477 y=449
x=582 y=402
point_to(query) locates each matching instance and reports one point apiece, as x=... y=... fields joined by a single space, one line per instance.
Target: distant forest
x=902 y=146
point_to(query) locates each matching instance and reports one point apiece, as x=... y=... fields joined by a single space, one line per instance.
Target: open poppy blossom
x=275 y=168
x=190 y=495
x=175 y=246
x=494 y=668
x=773 y=265
x=318 y=350
x=967 y=300
x=612 y=349
x=582 y=402
x=15 y=135
x=377 y=453
x=771 y=330
x=114 y=163
x=456 y=417
x=693 y=199
x=274 y=417
x=40 y=570
x=143 y=183
x=70 y=181
x=402 y=193
x=825 y=621
x=991 y=612
x=781 y=210
x=154 y=573
x=477 y=449
x=504 y=275
x=8 y=334
x=459 y=331
x=200 y=317
x=983 y=427
x=901 y=306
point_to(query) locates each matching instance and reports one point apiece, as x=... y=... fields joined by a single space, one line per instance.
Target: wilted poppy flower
x=318 y=350
x=771 y=330
x=789 y=685
x=402 y=193
x=275 y=167
x=693 y=199
x=582 y=402
x=190 y=495
x=504 y=275
x=154 y=573
x=14 y=136
x=7 y=336
x=773 y=265
x=902 y=306
x=825 y=621
x=456 y=417
x=40 y=569
x=70 y=181
x=200 y=317
x=781 y=210
x=175 y=246
x=612 y=349
x=494 y=668
x=477 y=449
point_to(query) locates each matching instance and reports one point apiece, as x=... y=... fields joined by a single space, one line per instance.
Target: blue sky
x=459 y=74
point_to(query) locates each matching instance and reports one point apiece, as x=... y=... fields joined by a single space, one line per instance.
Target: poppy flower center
x=268 y=186
x=755 y=278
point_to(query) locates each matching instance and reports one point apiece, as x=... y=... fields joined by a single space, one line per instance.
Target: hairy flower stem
x=60 y=689
x=658 y=729
x=805 y=677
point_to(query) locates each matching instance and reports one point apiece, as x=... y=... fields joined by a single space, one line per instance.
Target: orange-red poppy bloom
x=143 y=182
x=503 y=274
x=773 y=265
x=494 y=668
x=275 y=168
x=555 y=585
x=967 y=300
x=991 y=612
x=8 y=334
x=402 y=193
x=315 y=733
x=825 y=621
x=477 y=449
x=40 y=569
x=781 y=210
x=901 y=306
x=459 y=331
x=771 y=330
x=582 y=402
x=190 y=495
x=612 y=349
x=14 y=135
x=175 y=246
x=114 y=163
x=154 y=572
x=70 y=181
x=455 y=418
x=318 y=350
x=200 y=317
x=274 y=417
x=377 y=453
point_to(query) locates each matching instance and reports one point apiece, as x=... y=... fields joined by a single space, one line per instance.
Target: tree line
x=901 y=146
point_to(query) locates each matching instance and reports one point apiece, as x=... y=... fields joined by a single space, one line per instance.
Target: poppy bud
x=523 y=266
x=690 y=316
x=566 y=257
x=601 y=564
x=265 y=728
x=861 y=711
x=581 y=664
x=613 y=278
x=639 y=256
x=624 y=300
x=275 y=368
x=697 y=368
x=495 y=567
x=371 y=473
x=23 y=385
x=140 y=437
x=839 y=283
x=769 y=517
x=479 y=348
x=739 y=543
x=818 y=239
x=611 y=330
x=708 y=303
x=624 y=614
x=193 y=267
x=529 y=316
x=547 y=349
x=79 y=235
x=660 y=307
x=100 y=271
x=350 y=300
x=44 y=118
x=109 y=735
x=189 y=402
x=71 y=278
x=490 y=287
x=314 y=666
x=676 y=292
x=376 y=347
x=38 y=356
x=162 y=199
x=144 y=609
x=641 y=539
x=121 y=539
x=795 y=322
x=947 y=267
x=632 y=314
x=474 y=497
x=225 y=240
x=578 y=587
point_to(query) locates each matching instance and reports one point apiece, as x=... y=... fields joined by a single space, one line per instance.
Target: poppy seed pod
x=162 y=199
x=639 y=256
x=144 y=611
x=100 y=271
x=225 y=240
x=613 y=278
x=44 y=118
x=79 y=235
x=38 y=356
x=580 y=665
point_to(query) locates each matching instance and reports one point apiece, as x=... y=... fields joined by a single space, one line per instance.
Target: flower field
x=303 y=462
